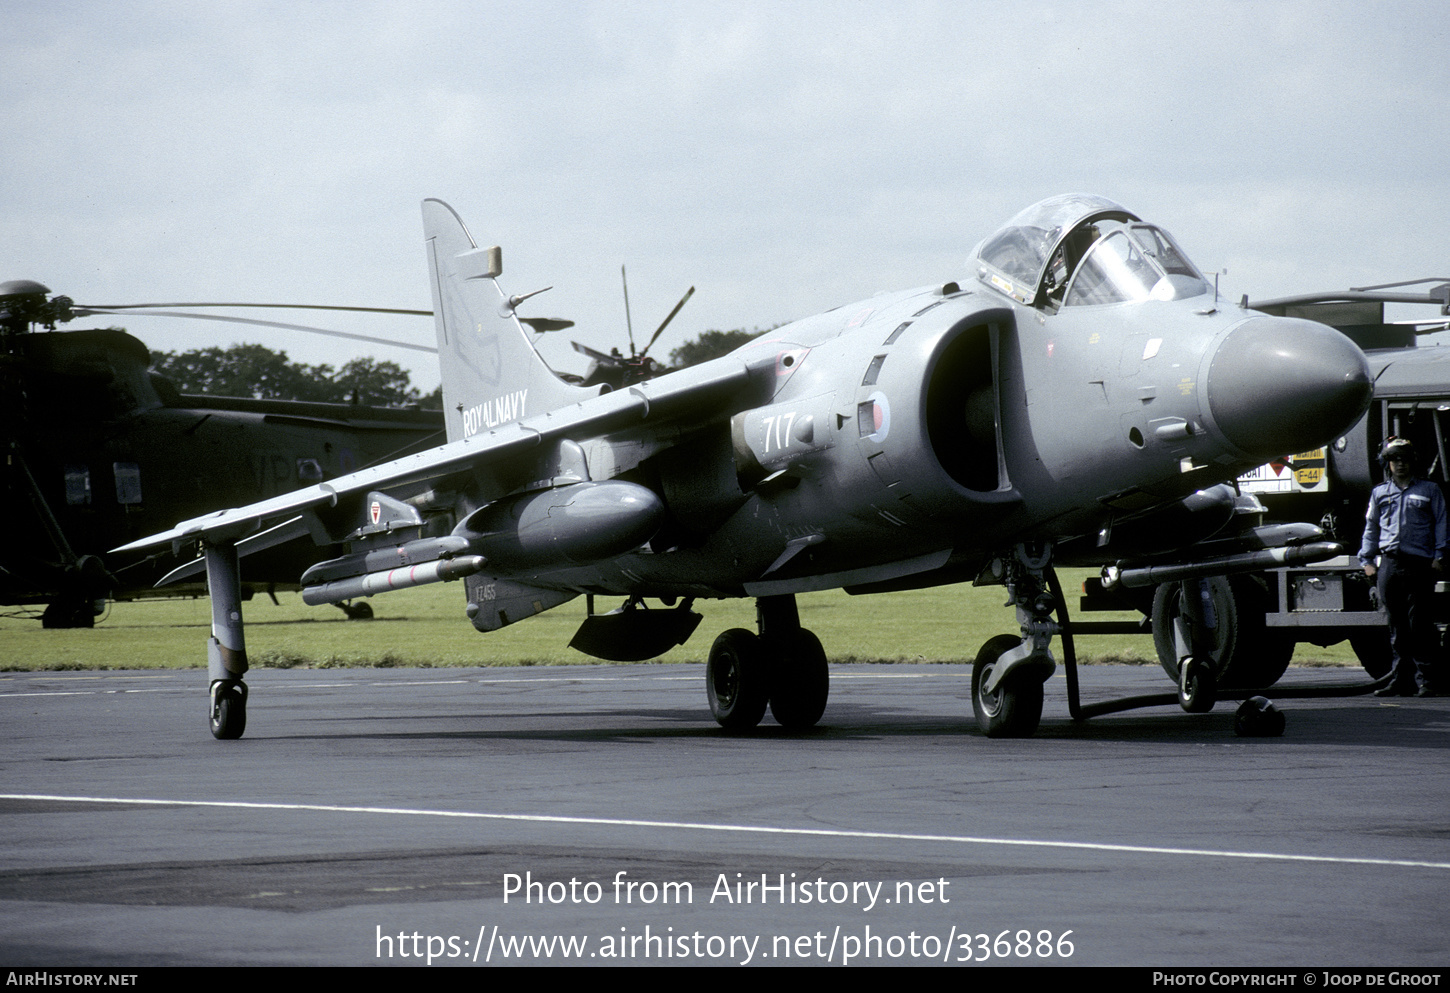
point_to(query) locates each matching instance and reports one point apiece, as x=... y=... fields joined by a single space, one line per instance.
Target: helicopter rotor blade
x=121 y=311
x=597 y=356
x=688 y=293
x=628 y=324
x=543 y=324
x=107 y=308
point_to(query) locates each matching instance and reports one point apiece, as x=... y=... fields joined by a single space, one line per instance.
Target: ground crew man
x=1404 y=547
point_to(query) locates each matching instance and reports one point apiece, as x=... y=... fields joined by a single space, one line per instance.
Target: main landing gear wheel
x=1197 y=686
x=1015 y=709
x=229 y=711
x=801 y=683
x=736 y=680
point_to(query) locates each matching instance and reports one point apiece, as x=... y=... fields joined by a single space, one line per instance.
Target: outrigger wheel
x=1197 y=671
x=228 y=709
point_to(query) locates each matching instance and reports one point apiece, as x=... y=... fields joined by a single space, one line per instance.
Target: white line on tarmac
x=738 y=829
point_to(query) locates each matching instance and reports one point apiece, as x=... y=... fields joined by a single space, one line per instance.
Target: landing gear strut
x=226 y=650
x=1008 y=674
x=783 y=666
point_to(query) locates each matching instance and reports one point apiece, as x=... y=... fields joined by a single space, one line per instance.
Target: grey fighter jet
x=1079 y=389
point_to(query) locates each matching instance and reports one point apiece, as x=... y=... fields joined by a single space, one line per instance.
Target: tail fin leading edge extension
x=492 y=373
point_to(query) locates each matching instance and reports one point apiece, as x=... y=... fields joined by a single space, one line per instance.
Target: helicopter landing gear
x=784 y=666
x=69 y=612
x=226 y=650
x=1009 y=673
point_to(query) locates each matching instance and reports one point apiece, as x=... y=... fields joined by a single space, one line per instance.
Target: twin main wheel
x=742 y=679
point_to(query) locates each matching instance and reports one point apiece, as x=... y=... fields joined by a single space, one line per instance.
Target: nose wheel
x=1014 y=708
x=1009 y=672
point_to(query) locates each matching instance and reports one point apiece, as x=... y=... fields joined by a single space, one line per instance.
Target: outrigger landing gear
x=1193 y=634
x=226 y=650
x=1008 y=674
x=783 y=666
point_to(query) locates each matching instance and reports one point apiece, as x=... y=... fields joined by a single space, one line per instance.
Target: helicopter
x=612 y=369
x=1081 y=387
x=99 y=451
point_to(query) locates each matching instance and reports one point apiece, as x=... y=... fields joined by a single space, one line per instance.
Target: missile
x=437 y=571
x=581 y=522
x=380 y=559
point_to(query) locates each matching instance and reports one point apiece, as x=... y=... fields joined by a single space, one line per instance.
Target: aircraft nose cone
x=1278 y=385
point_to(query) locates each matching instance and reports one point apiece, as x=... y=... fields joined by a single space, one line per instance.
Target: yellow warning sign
x=1309 y=468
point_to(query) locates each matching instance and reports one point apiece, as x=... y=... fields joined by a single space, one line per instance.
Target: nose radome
x=1279 y=385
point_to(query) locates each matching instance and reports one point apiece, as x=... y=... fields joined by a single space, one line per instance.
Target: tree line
x=263 y=374
x=711 y=345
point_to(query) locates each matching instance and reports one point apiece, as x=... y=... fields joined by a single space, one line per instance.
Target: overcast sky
x=784 y=158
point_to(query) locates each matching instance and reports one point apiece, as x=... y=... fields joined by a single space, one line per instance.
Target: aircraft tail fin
x=492 y=374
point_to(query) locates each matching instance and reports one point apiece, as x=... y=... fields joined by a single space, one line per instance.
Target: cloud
x=784 y=158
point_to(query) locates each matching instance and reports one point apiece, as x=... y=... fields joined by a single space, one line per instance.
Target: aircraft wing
x=695 y=395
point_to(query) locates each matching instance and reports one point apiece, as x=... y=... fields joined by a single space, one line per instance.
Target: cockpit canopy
x=1080 y=249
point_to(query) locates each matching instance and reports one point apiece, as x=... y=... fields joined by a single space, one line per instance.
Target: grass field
x=427 y=627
